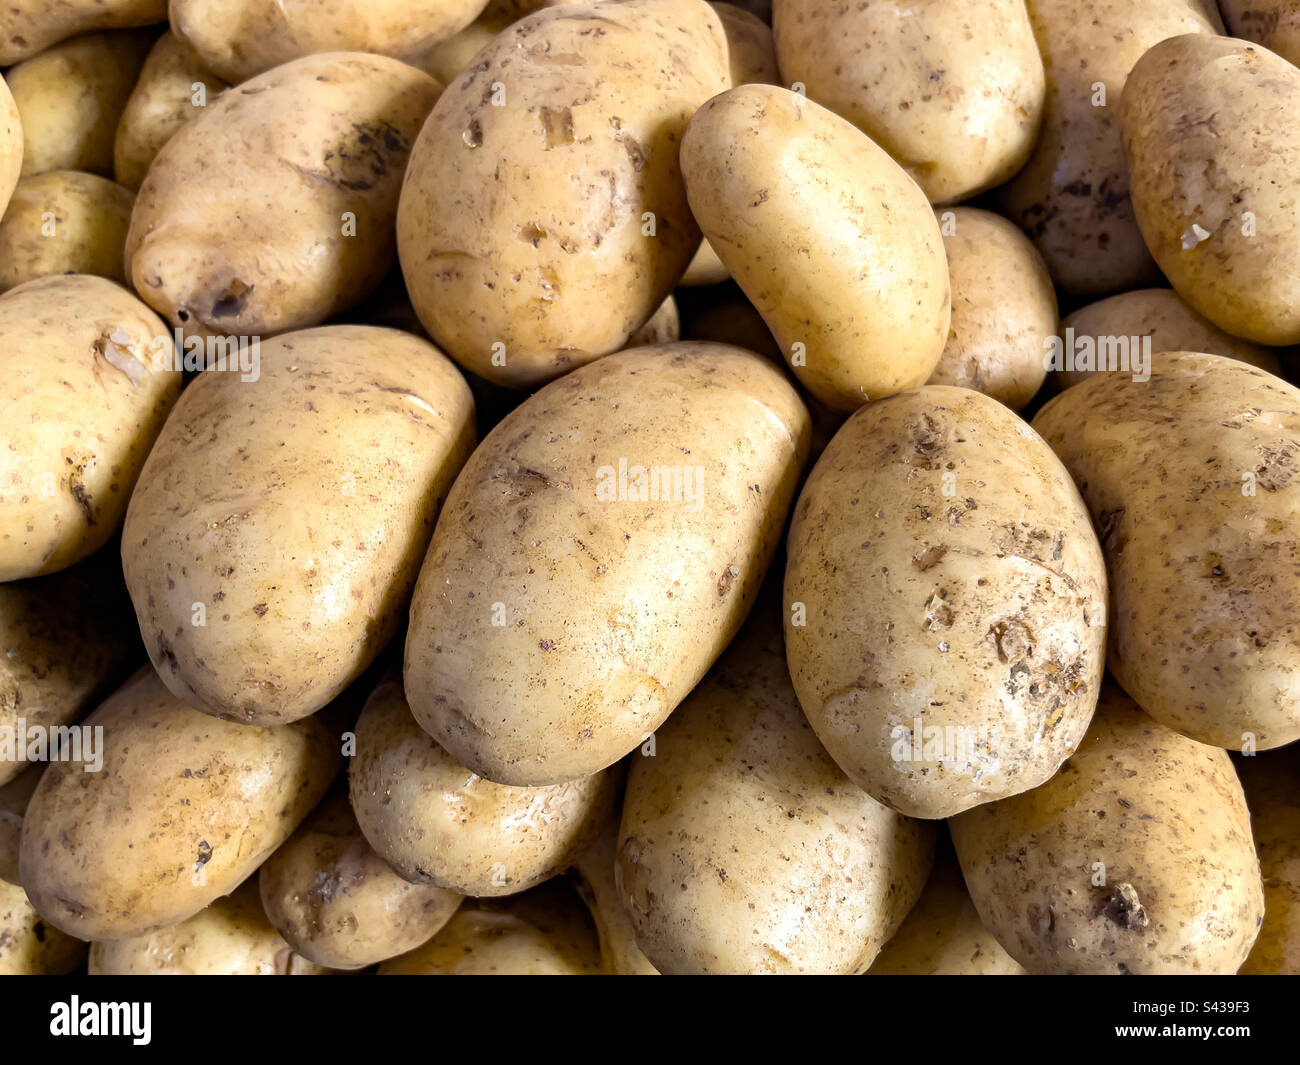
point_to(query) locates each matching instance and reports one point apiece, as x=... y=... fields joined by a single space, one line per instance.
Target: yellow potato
x=662 y=327
x=1272 y=783
x=596 y=554
x=64 y=222
x=593 y=876
x=1273 y=23
x=31 y=26
x=1135 y=858
x=88 y=379
x=14 y=797
x=1213 y=151
x=543 y=218
x=273 y=209
x=267 y=577
x=448 y=59
x=705 y=269
x=829 y=239
x=11 y=145
x=185 y=809
x=751 y=49
x=952 y=90
x=30 y=945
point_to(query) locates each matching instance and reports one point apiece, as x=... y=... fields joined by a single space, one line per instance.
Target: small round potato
x=1273 y=23
x=1272 y=783
x=31 y=26
x=593 y=874
x=29 y=944
x=11 y=145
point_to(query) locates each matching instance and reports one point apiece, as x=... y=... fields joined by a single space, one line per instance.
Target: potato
x=943 y=935
x=1190 y=486
x=1118 y=324
x=229 y=937
x=338 y=903
x=68 y=642
x=945 y=603
x=71 y=96
x=705 y=269
x=1273 y=23
x=1003 y=308
x=319 y=146
x=543 y=218
x=88 y=379
x=543 y=932
x=745 y=849
x=31 y=26
x=29 y=945
x=173 y=86
x=14 y=797
x=801 y=207
x=593 y=876
x=953 y=91
x=448 y=59
x=1213 y=150
x=436 y=822
x=268 y=576
x=11 y=144
x=751 y=48
x=185 y=809
x=662 y=327
x=1272 y=783
x=513 y=10
x=64 y=222
x=596 y=554
x=1135 y=858
x=1072 y=197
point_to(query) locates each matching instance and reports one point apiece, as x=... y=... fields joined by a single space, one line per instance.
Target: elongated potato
x=543 y=218
x=64 y=222
x=436 y=822
x=242 y=38
x=1273 y=23
x=830 y=240
x=1213 y=152
x=14 y=797
x=229 y=937
x=268 y=576
x=29 y=944
x=31 y=26
x=319 y=146
x=945 y=603
x=88 y=379
x=338 y=903
x=593 y=875
x=536 y=656
x=71 y=97
x=1136 y=858
x=745 y=849
x=172 y=88
x=185 y=809
x=11 y=145
x=1272 y=783
x=953 y=90
x=1189 y=477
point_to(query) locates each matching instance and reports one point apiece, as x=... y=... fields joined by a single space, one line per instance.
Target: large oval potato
x=1190 y=478
x=945 y=603
x=87 y=381
x=242 y=38
x=31 y=26
x=30 y=945
x=231 y=936
x=596 y=554
x=173 y=86
x=1072 y=197
x=543 y=217
x=1136 y=858
x=829 y=239
x=186 y=808
x=593 y=874
x=338 y=903
x=1273 y=23
x=1003 y=308
x=319 y=147
x=1272 y=783
x=268 y=576
x=436 y=822
x=952 y=90
x=71 y=97
x=11 y=145
x=64 y=222
x=745 y=849
x=1213 y=151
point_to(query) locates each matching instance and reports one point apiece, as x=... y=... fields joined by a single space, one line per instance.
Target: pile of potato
x=609 y=488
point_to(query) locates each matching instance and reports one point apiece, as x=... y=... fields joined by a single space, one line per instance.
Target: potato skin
x=751 y=48
x=1072 y=197
x=310 y=141
x=744 y=848
x=78 y=425
x=31 y=26
x=302 y=531
x=1003 y=307
x=1210 y=138
x=593 y=875
x=338 y=903
x=953 y=91
x=594 y=655
x=1205 y=606
x=117 y=853
x=801 y=207
x=1272 y=783
x=447 y=60
x=90 y=216
x=524 y=225
x=1273 y=23
x=161 y=102
x=29 y=944
x=14 y=797
x=11 y=145
x=978 y=603
x=1161 y=816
